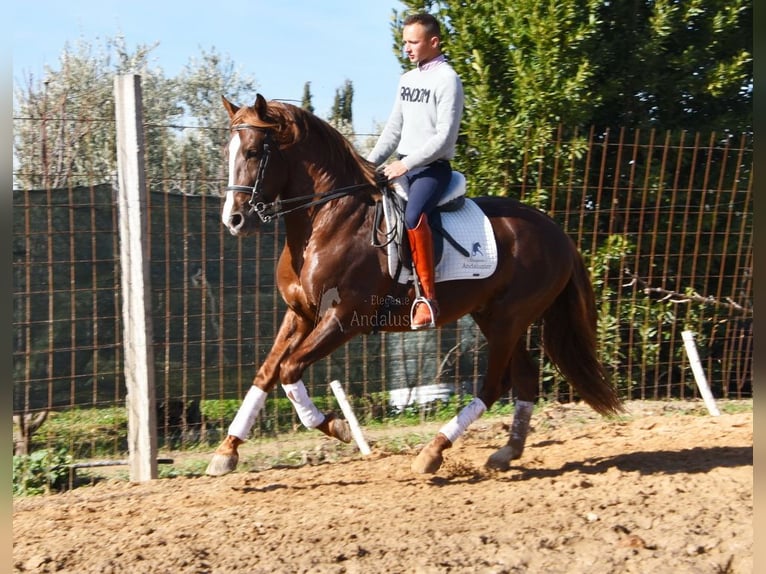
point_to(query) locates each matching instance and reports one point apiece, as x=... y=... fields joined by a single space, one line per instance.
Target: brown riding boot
x=425 y=308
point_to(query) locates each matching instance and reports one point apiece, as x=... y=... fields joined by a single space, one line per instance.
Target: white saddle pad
x=471 y=229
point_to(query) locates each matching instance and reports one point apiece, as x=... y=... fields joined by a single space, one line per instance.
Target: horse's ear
x=230 y=108
x=260 y=105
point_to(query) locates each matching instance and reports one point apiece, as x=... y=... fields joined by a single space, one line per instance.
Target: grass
x=735 y=407
x=85 y=433
x=102 y=433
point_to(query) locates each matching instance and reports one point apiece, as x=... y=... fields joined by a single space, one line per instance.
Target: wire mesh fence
x=664 y=221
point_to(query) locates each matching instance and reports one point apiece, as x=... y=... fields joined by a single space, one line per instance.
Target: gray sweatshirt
x=425 y=120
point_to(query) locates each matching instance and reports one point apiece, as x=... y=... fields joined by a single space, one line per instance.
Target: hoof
x=335 y=427
x=428 y=461
x=501 y=460
x=222 y=464
x=340 y=429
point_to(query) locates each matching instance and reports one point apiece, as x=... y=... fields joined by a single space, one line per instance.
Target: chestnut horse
x=285 y=162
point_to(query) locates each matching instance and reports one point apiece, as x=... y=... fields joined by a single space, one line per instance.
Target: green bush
x=41 y=472
x=214 y=410
x=85 y=432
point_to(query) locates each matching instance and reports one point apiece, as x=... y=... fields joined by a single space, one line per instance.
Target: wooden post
x=136 y=284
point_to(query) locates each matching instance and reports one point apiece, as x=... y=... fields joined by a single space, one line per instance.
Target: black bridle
x=256 y=191
x=273 y=210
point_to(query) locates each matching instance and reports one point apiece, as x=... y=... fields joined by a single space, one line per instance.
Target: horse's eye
x=251 y=154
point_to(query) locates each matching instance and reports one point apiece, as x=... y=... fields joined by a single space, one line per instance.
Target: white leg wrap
x=455 y=428
x=306 y=409
x=242 y=424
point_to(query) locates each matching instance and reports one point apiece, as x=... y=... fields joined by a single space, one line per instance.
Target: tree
x=54 y=147
x=306 y=101
x=65 y=133
x=199 y=88
x=673 y=65
x=341 y=116
x=342 y=112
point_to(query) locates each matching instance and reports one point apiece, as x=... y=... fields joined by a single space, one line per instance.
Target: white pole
x=699 y=373
x=356 y=431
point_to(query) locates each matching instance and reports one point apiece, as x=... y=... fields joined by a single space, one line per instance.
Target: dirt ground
x=665 y=489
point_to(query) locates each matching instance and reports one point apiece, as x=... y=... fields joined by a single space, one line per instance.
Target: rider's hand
x=395 y=169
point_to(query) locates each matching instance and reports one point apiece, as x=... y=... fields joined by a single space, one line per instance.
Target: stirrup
x=432 y=310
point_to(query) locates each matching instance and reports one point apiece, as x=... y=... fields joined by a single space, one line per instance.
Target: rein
x=268 y=211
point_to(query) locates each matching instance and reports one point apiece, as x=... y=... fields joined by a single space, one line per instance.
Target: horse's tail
x=570 y=341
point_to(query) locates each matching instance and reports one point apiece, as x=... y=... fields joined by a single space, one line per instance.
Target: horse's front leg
x=311 y=417
x=330 y=333
x=292 y=330
x=298 y=344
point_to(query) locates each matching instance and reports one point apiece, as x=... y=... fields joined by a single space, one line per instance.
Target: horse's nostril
x=236 y=221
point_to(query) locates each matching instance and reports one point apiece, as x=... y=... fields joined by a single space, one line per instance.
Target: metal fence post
x=136 y=284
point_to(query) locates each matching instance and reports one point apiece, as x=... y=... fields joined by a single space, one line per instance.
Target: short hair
x=428 y=21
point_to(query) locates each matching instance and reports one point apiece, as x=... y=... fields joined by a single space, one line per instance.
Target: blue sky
x=281 y=44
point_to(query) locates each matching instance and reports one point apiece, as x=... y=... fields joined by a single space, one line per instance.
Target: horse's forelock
x=248 y=115
x=278 y=118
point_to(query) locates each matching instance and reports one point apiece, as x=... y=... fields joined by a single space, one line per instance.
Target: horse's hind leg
x=430 y=459
x=523 y=373
x=501 y=344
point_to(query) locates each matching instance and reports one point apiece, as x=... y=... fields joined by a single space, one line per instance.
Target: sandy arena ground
x=665 y=489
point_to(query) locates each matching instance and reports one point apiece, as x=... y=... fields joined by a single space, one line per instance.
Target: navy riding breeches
x=427 y=184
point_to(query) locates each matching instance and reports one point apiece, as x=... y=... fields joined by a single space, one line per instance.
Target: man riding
x=423 y=128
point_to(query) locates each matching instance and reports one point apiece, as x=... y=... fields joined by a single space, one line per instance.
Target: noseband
x=256 y=191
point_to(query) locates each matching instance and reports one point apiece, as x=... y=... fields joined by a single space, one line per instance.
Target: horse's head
x=255 y=179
